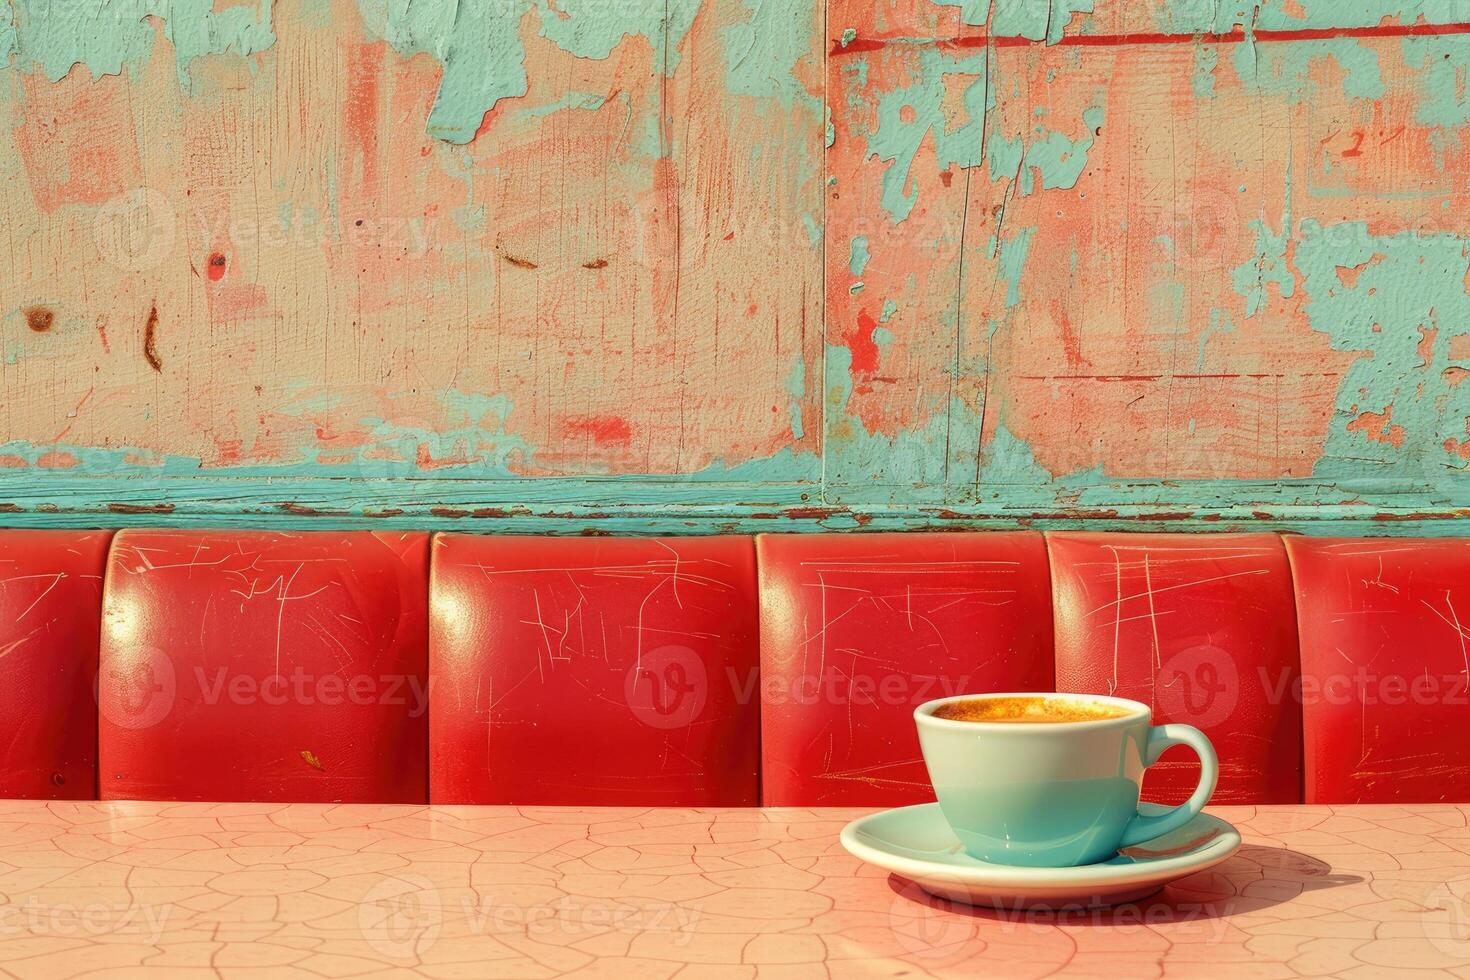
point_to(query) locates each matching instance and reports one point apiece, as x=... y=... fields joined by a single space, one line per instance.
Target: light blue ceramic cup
x=1054 y=795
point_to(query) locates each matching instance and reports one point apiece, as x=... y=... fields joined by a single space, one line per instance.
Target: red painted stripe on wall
x=1120 y=40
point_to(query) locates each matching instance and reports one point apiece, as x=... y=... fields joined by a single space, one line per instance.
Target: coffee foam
x=1028 y=710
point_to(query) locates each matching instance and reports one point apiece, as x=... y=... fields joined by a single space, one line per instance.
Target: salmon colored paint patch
x=605 y=430
x=243 y=301
x=215 y=268
x=1348 y=275
x=361 y=108
x=57 y=461
x=1375 y=425
x=1460 y=347
x=13 y=462
x=77 y=140
x=1460 y=448
x=1426 y=345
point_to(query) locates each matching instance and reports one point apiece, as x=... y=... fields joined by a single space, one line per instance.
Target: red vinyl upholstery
x=242 y=665
x=858 y=630
x=1202 y=628
x=50 y=601
x=1385 y=628
x=594 y=671
x=265 y=666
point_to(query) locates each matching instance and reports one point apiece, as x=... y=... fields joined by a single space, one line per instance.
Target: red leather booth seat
x=1385 y=629
x=50 y=600
x=264 y=666
x=1202 y=628
x=595 y=671
x=858 y=630
x=378 y=667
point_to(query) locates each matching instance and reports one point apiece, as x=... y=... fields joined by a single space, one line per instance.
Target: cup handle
x=1145 y=828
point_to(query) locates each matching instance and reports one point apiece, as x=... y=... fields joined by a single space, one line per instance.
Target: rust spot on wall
x=304 y=511
x=9 y=509
x=390 y=512
x=518 y=261
x=216 y=269
x=150 y=340
x=448 y=512
x=39 y=318
x=595 y=264
x=141 y=508
x=311 y=760
x=800 y=514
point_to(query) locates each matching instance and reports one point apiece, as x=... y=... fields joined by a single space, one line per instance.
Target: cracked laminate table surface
x=170 y=889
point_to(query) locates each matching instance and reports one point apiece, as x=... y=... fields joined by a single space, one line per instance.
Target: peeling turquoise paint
x=1285 y=70
x=589 y=101
x=593 y=28
x=870 y=465
x=1221 y=17
x=1268 y=265
x=1220 y=325
x=1012 y=253
x=106 y=38
x=1406 y=375
x=1057 y=158
x=1444 y=69
x=910 y=114
x=762 y=55
x=1035 y=19
x=7 y=34
x=478 y=44
x=1406 y=304
x=1206 y=60
x=484 y=59
x=796 y=388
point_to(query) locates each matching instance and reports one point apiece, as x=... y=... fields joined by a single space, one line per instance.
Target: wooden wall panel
x=713 y=265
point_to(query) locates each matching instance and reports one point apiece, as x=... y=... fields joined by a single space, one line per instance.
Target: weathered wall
x=637 y=265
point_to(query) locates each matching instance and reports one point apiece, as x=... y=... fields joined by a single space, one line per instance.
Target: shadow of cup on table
x=1254 y=878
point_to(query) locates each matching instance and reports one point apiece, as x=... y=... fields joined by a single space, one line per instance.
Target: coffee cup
x=1052 y=780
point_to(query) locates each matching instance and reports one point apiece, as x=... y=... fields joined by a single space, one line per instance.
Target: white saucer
x=916 y=843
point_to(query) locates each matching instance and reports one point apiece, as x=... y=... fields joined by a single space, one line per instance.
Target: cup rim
x=1137 y=711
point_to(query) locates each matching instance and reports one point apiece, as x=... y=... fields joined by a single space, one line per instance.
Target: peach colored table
x=358 y=891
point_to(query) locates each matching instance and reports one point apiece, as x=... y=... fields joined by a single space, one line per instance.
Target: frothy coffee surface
x=1028 y=711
